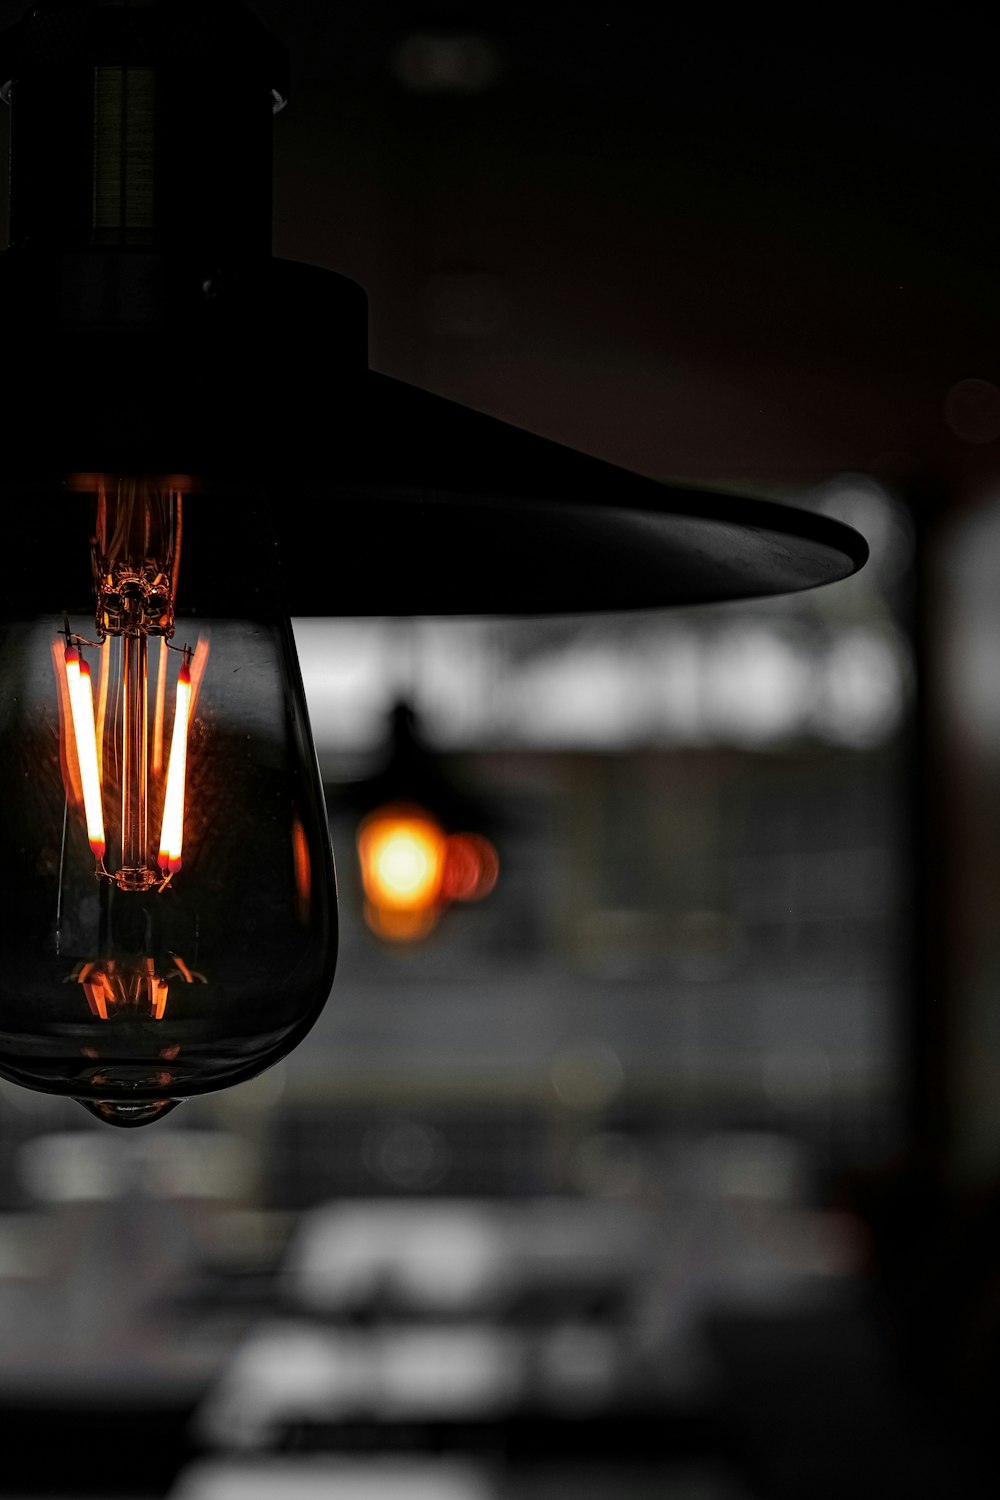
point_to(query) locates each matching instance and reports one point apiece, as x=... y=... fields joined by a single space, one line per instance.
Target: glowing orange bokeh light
x=471 y=867
x=411 y=870
x=402 y=854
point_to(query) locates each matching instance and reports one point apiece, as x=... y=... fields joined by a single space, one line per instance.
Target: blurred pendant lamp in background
x=194 y=452
x=423 y=842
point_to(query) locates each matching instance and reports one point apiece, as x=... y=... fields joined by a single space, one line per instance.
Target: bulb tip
x=127 y=1116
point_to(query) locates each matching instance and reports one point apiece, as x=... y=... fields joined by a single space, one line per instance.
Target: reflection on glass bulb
x=169 y=924
x=412 y=870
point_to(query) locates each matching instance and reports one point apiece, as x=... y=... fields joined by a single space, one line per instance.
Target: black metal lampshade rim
x=386 y=499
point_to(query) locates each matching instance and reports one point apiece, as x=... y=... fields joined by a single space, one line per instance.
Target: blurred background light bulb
x=169 y=923
x=412 y=870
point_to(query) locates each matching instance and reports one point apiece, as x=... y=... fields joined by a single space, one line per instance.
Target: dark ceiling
x=732 y=249
x=694 y=243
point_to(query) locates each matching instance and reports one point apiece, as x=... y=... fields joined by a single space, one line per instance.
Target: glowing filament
x=81 y=698
x=172 y=831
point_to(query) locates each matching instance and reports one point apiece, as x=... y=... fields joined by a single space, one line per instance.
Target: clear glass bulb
x=169 y=917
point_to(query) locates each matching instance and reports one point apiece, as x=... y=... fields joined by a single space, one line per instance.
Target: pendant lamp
x=195 y=451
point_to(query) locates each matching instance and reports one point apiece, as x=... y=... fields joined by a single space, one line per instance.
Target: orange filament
x=81 y=698
x=172 y=830
x=126 y=990
x=68 y=758
x=98 y=993
x=159 y=992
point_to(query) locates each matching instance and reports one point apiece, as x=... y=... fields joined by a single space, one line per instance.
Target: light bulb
x=412 y=870
x=168 y=920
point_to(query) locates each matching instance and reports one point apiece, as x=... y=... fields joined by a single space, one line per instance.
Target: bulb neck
x=142 y=126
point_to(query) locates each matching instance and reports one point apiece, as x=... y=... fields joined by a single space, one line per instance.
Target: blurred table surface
x=447 y=1321
x=463 y=1327
x=569 y=1297
x=464 y=1256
